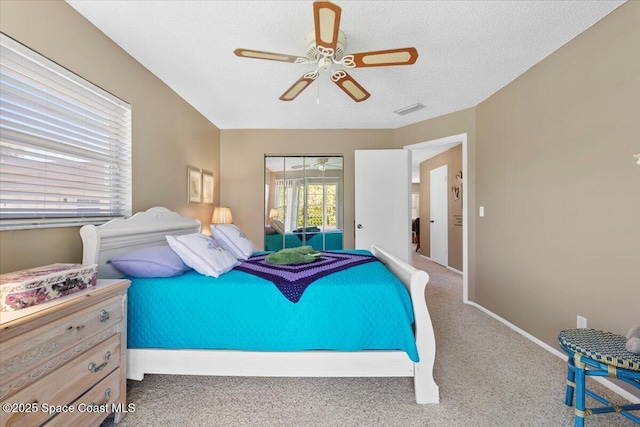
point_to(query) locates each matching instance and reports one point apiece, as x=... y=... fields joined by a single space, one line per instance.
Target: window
x=65 y=145
x=314 y=202
x=321 y=207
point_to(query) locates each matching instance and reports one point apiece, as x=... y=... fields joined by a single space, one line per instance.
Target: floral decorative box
x=31 y=287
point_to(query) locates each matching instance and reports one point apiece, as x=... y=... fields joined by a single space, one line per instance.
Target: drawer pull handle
x=104 y=315
x=95 y=368
x=107 y=396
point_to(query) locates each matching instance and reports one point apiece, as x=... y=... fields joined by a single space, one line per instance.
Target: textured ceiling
x=468 y=50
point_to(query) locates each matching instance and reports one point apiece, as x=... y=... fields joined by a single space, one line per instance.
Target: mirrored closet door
x=303 y=202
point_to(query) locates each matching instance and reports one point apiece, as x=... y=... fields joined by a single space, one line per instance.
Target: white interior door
x=438 y=206
x=383 y=201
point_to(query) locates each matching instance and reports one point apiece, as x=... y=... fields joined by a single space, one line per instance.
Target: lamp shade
x=273 y=213
x=221 y=216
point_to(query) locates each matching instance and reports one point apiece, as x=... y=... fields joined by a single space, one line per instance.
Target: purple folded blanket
x=292 y=280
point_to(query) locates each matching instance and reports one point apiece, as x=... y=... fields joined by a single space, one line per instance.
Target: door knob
x=359 y=226
x=432 y=221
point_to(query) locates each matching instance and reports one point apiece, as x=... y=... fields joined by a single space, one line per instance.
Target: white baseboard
x=445 y=266
x=455 y=270
x=604 y=381
x=429 y=258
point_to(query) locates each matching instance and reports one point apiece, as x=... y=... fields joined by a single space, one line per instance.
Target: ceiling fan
x=322 y=164
x=325 y=47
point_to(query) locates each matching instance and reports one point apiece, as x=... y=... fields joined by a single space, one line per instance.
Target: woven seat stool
x=597 y=353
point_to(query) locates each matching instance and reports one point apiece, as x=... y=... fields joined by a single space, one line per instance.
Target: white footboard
x=416 y=282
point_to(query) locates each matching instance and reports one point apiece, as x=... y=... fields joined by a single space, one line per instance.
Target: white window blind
x=65 y=145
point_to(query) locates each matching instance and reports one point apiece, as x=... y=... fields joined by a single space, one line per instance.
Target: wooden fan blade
x=380 y=58
x=326 y=17
x=297 y=87
x=257 y=54
x=350 y=86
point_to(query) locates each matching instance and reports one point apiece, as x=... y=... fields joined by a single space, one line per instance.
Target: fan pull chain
x=318 y=96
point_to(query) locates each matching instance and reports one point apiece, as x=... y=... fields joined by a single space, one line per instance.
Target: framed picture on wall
x=207 y=187
x=194 y=184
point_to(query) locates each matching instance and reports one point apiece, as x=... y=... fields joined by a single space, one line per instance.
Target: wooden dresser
x=64 y=362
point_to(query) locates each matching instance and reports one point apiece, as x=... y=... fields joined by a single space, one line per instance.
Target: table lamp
x=221 y=215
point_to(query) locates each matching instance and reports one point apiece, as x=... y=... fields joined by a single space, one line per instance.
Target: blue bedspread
x=362 y=308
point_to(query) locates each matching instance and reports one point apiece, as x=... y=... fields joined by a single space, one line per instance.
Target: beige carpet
x=488 y=376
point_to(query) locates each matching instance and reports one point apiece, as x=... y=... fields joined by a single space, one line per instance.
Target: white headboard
x=119 y=236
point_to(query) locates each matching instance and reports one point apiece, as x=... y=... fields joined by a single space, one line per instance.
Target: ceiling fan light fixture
x=409 y=109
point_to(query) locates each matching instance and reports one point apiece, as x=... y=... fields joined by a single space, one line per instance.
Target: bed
x=330 y=240
x=150 y=228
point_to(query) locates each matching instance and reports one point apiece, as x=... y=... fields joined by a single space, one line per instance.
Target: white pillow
x=202 y=253
x=277 y=225
x=233 y=239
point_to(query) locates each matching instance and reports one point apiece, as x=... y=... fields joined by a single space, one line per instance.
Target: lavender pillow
x=156 y=261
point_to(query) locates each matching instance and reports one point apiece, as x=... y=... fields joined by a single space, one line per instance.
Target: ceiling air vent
x=409 y=109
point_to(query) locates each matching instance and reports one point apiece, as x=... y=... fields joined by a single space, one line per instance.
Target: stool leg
x=580 y=392
x=571 y=378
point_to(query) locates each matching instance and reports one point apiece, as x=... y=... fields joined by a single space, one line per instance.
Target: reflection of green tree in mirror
x=315 y=196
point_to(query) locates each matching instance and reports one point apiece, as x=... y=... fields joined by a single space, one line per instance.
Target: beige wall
x=242 y=161
x=168 y=134
x=561 y=190
x=453 y=159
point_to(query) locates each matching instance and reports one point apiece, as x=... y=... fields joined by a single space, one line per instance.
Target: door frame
x=454 y=140
x=439 y=169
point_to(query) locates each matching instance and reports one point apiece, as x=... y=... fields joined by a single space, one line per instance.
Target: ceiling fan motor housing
x=312 y=49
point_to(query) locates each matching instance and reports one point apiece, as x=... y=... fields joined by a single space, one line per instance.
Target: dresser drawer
x=26 y=351
x=92 y=408
x=65 y=384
